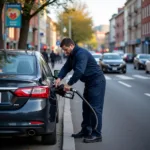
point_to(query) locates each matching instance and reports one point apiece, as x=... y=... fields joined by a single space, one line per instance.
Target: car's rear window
x=17 y=64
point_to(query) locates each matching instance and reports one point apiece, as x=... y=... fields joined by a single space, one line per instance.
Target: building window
x=142 y=13
x=149 y=9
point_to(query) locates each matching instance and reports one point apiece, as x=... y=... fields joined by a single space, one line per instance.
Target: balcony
x=135 y=24
x=117 y=25
x=129 y=27
x=129 y=14
x=135 y=9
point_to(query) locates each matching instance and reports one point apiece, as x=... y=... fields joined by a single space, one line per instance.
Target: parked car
x=147 y=66
x=128 y=57
x=112 y=62
x=140 y=60
x=28 y=107
x=97 y=57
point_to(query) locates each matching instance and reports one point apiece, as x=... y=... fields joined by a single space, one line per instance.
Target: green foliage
x=92 y=43
x=81 y=23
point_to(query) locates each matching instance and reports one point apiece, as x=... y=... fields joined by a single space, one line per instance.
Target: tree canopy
x=81 y=22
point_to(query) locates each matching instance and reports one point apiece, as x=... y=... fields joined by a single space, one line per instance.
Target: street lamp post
x=39 y=27
x=70 y=26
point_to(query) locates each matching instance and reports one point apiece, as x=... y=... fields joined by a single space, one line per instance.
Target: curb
x=68 y=141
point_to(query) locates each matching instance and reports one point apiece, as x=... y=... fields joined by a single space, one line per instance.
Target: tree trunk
x=1 y=25
x=24 y=33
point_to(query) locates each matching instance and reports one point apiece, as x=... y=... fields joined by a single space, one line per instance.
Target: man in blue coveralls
x=88 y=71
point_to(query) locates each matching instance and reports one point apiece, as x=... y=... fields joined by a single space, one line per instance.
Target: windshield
x=97 y=56
x=17 y=64
x=144 y=56
x=109 y=57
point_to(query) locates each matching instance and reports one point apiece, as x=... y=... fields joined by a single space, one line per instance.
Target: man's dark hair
x=67 y=42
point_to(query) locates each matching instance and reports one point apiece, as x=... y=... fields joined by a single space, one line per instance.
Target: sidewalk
x=68 y=141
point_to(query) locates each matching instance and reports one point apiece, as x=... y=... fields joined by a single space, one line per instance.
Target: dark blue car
x=28 y=107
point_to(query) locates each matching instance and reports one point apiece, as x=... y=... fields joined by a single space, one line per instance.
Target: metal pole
x=70 y=34
x=5 y=28
x=39 y=28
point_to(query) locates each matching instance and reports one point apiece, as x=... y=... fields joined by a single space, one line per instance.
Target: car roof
x=26 y=52
x=111 y=54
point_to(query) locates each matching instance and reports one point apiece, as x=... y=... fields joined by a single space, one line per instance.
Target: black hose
x=96 y=118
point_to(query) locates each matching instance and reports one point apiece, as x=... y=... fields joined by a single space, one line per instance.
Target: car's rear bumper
x=41 y=119
x=27 y=131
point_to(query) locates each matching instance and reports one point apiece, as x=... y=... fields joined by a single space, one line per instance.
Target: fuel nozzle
x=60 y=91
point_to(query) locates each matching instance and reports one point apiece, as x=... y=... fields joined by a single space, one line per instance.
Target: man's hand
x=67 y=87
x=57 y=82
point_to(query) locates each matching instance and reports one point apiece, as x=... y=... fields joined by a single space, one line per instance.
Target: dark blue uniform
x=86 y=69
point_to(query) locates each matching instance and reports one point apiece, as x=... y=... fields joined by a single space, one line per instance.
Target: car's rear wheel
x=49 y=139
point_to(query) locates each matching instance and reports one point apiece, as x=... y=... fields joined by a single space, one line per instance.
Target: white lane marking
x=147 y=94
x=127 y=85
x=141 y=77
x=124 y=77
x=107 y=77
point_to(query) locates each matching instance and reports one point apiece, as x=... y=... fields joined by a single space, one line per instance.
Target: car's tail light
x=36 y=122
x=37 y=92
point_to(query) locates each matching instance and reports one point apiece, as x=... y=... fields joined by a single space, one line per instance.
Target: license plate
x=114 y=68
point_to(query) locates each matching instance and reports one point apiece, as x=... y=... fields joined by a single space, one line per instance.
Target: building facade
x=146 y=26
x=134 y=26
x=106 y=45
x=119 y=30
x=112 y=33
x=51 y=34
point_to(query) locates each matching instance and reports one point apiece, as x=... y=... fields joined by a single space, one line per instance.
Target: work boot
x=92 y=139
x=79 y=134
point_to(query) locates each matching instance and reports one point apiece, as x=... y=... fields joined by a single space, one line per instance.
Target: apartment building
x=133 y=8
x=112 y=33
x=119 y=29
x=146 y=26
x=51 y=34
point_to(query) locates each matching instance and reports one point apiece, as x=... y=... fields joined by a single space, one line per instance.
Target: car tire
x=124 y=71
x=146 y=71
x=138 y=67
x=134 y=66
x=49 y=139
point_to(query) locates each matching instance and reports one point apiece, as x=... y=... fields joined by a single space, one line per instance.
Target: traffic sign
x=58 y=43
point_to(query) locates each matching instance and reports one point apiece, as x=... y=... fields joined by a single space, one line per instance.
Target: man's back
x=92 y=69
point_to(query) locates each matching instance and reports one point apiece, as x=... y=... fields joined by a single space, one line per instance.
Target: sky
x=102 y=10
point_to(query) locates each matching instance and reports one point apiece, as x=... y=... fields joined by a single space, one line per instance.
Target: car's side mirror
x=56 y=72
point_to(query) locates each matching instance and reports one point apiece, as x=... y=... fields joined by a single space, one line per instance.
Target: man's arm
x=81 y=63
x=65 y=69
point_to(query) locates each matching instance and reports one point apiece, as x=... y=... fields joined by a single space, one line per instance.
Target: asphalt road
x=126 y=117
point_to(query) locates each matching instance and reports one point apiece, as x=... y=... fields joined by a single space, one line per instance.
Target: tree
x=92 y=43
x=27 y=7
x=81 y=22
x=1 y=34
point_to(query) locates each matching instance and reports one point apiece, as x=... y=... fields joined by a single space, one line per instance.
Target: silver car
x=147 y=66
